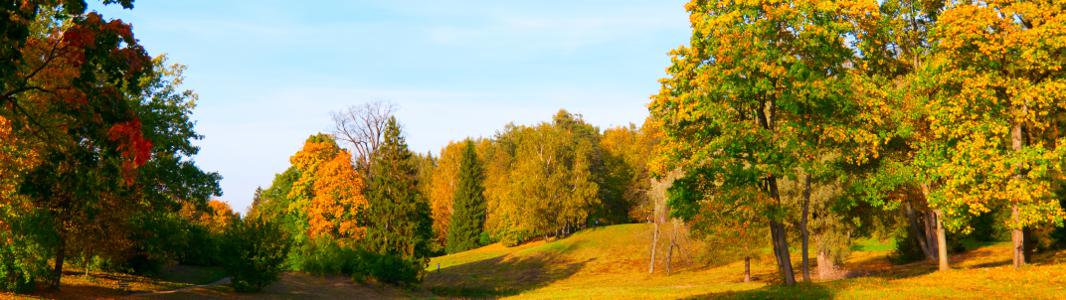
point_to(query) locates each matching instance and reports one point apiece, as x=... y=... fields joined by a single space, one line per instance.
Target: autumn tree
x=73 y=96
x=742 y=105
x=328 y=194
x=468 y=218
x=442 y=190
x=552 y=181
x=626 y=178
x=891 y=127
x=23 y=245
x=397 y=220
x=996 y=78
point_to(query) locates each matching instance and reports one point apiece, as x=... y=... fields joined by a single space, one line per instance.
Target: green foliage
x=24 y=249
x=468 y=215
x=254 y=254
x=324 y=256
x=397 y=220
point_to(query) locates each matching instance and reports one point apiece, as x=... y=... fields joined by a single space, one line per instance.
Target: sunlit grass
x=611 y=263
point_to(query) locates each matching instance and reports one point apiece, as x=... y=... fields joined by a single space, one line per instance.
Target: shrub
x=325 y=256
x=254 y=254
x=386 y=268
x=24 y=249
x=19 y=269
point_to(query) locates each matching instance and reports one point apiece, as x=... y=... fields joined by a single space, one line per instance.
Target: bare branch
x=361 y=127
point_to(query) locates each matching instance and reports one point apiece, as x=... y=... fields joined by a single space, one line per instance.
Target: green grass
x=871 y=244
x=612 y=262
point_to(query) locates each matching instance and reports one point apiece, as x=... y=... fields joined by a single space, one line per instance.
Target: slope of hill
x=611 y=262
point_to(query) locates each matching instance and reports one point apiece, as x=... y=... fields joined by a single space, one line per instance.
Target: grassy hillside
x=611 y=262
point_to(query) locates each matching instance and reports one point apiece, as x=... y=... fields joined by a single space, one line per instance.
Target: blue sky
x=270 y=72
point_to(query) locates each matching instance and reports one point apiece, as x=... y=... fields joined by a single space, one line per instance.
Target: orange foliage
x=216 y=219
x=442 y=189
x=221 y=216
x=332 y=186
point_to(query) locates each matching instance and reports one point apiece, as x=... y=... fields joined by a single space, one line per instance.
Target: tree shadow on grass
x=798 y=291
x=501 y=276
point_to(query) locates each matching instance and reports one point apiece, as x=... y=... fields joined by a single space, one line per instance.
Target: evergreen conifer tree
x=468 y=216
x=397 y=221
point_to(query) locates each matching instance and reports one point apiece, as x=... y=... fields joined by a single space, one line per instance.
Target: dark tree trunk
x=57 y=271
x=804 y=231
x=765 y=116
x=780 y=238
x=931 y=221
x=919 y=228
x=780 y=245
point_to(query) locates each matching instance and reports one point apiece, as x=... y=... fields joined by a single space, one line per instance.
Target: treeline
x=550 y=179
x=95 y=154
x=819 y=122
x=382 y=212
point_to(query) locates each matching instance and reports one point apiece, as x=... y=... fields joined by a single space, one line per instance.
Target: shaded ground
x=292 y=286
x=95 y=285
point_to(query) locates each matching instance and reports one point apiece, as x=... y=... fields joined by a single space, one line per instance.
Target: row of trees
x=386 y=206
x=96 y=144
x=543 y=180
x=814 y=112
x=358 y=216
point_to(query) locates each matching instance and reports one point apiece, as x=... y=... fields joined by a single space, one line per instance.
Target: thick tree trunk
x=827 y=268
x=747 y=269
x=1018 y=238
x=780 y=238
x=941 y=242
x=780 y=244
x=804 y=231
x=931 y=220
x=918 y=232
x=1016 y=234
x=654 y=244
x=777 y=229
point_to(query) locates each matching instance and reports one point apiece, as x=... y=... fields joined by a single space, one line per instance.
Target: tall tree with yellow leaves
x=442 y=190
x=996 y=78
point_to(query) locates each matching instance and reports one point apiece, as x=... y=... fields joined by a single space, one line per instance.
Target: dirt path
x=220 y=282
x=291 y=285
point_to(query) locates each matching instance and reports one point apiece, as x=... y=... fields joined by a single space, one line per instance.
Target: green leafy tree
x=468 y=217
x=892 y=126
x=744 y=105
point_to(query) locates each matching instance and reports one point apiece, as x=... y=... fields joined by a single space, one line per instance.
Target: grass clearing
x=611 y=263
